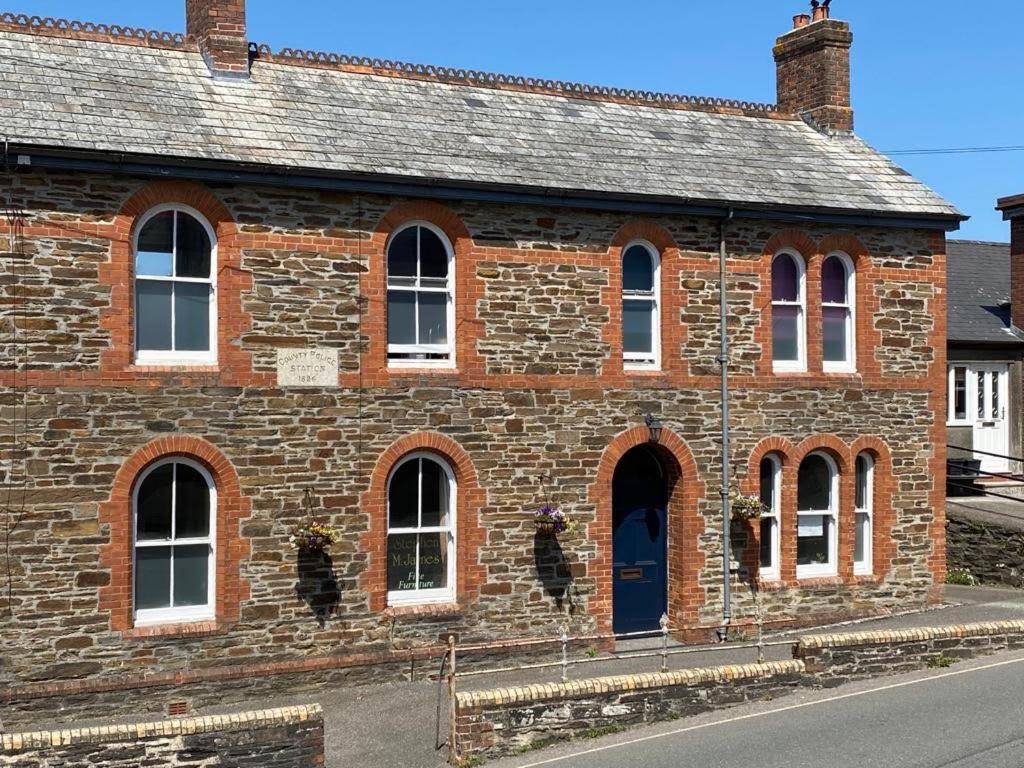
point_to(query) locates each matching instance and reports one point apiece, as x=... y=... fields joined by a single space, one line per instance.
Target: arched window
x=771 y=500
x=837 y=306
x=817 y=513
x=421 y=531
x=864 y=510
x=641 y=337
x=421 y=290
x=175 y=281
x=789 y=333
x=175 y=512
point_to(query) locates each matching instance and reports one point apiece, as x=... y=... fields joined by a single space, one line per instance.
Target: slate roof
x=136 y=99
x=978 y=276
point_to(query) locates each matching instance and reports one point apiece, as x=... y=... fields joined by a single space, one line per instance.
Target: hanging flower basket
x=313 y=537
x=551 y=521
x=747 y=508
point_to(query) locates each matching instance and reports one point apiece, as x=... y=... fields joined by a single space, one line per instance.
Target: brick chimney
x=1013 y=210
x=218 y=27
x=813 y=63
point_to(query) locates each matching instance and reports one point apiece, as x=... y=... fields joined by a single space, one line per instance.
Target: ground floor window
x=421 y=531
x=817 y=512
x=771 y=495
x=174 y=565
x=863 y=508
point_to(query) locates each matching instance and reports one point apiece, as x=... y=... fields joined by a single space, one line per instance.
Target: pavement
x=396 y=725
x=967 y=716
x=983 y=509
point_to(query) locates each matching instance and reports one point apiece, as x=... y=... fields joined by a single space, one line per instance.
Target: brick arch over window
x=374 y=286
x=470 y=500
x=866 y=337
x=233 y=363
x=231 y=547
x=751 y=485
x=685 y=526
x=672 y=333
x=883 y=549
x=839 y=451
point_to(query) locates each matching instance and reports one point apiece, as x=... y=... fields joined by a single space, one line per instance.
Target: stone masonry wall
x=278 y=738
x=534 y=402
x=992 y=553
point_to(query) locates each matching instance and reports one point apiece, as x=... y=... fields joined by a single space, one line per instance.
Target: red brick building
x=244 y=289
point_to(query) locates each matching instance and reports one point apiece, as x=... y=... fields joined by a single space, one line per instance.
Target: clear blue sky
x=936 y=74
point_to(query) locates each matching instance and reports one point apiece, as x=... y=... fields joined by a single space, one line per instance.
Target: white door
x=990 y=410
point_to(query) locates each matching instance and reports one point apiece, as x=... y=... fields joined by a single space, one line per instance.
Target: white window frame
x=165 y=356
x=426 y=596
x=800 y=364
x=831 y=568
x=866 y=566
x=639 y=361
x=190 y=613
x=448 y=348
x=951 y=419
x=774 y=571
x=848 y=365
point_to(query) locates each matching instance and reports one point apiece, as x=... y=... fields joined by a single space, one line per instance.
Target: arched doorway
x=639 y=541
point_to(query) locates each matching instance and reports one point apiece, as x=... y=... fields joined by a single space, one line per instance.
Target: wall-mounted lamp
x=653 y=428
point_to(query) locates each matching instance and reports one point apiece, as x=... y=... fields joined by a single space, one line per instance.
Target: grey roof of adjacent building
x=88 y=95
x=978 y=275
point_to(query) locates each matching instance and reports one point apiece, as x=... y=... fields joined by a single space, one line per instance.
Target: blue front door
x=639 y=542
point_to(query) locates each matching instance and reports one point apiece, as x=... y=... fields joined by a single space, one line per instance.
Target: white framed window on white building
x=421 y=531
x=771 y=515
x=864 y=504
x=789 y=313
x=174 y=559
x=838 y=307
x=421 y=297
x=175 y=288
x=817 y=516
x=958 y=397
x=641 y=311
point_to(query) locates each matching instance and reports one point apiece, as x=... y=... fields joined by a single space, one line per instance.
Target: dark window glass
x=833 y=281
x=813 y=540
x=768 y=483
x=192 y=317
x=834 y=333
x=152 y=577
x=433 y=255
x=860 y=538
x=960 y=394
x=401 y=562
x=153 y=314
x=193 y=251
x=403 y=496
x=785 y=333
x=192 y=504
x=863 y=466
x=433 y=309
x=767 y=541
x=401 y=317
x=435 y=494
x=402 y=254
x=637 y=269
x=157 y=236
x=433 y=560
x=785 y=279
x=191 y=574
x=814 y=485
x=637 y=326
x=153 y=506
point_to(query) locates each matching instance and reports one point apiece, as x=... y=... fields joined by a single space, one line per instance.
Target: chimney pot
x=801 y=20
x=820 y=13
x=813 y=71
x=218 y=27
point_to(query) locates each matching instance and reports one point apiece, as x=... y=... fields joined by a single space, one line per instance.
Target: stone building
x=242 y=290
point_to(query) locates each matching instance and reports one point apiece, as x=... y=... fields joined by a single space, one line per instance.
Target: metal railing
x=964 y=482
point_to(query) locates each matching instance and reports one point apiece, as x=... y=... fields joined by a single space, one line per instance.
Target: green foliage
x=591 y=652
x=471 y=762
x=960 y=576
x=605 y=730
x=941 y=662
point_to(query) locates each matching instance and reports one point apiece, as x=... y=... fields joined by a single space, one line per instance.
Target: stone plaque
x=307 y=367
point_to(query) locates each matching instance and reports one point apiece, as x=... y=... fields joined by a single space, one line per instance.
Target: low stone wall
x=992 y=552
x=836 y=659
x=511 y=720
x=277 y=738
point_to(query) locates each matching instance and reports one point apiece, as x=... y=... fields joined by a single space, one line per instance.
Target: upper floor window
x=421 y=289
x=817 y=513
x=837 y=305
x=771 y=501
x=174 y=511
x=641 y=343
x=789 y=333
x=864 y=510
x=421 y=531
x=175 y=310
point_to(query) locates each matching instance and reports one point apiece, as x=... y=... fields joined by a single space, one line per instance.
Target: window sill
x=786 y=370
x=187 y=629
x=423 y=609
x=805 y=581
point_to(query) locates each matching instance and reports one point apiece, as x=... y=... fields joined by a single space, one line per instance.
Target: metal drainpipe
x=723 y=361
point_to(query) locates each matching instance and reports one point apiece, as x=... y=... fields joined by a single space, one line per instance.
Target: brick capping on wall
x=919 y=634
x=238 y=721
x=470 y=500
x=117 y=516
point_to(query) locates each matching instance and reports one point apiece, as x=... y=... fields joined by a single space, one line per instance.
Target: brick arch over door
x=470 y=499
x=231 y=548
x=685 y=525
